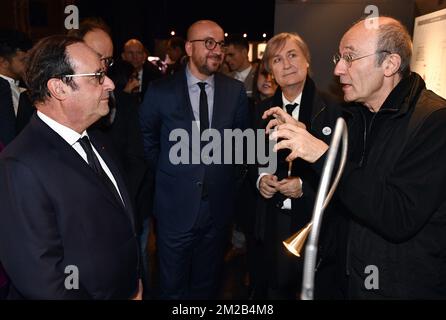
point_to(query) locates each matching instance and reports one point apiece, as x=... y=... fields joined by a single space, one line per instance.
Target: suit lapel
x=67 y=155
x=219 y=102
x=183 y=100
x=7 y=116
x=102 y=150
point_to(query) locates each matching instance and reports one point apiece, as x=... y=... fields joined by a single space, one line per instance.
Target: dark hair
x=261 y=70
x=11 y=41
x=120 y=73
x=48 y=59
x=237 y=41
x=89 y=24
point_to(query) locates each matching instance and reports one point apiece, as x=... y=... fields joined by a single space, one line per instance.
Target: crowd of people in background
x=85 y=173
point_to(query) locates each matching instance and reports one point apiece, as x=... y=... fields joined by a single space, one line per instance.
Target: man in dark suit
x=288 y=195
x=122 y=129
x=238 y=61
x=71 y=235
x=193 y=202
x=135 y=53
x=15 y=108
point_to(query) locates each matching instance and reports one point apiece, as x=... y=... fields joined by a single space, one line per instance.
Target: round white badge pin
x=326 y=131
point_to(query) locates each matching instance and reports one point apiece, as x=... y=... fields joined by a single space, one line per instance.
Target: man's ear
x=188 y=48
x=57 y=88
x=391 y=64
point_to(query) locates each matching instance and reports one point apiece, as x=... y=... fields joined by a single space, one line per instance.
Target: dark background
x=320 y=22
x=150 y=20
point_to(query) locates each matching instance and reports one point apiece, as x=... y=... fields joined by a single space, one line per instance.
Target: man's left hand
x=290 y=187
x=301 y=143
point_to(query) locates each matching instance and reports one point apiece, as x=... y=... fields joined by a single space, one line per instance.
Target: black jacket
x=178 y=187
x=319 y=113
x=56 y=212
x=10 y=124
x=126 y=138
x=394 y=187
x=322 y=112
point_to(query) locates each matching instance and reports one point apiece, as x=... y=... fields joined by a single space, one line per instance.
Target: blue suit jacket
x=55 y=212
x=178 y=187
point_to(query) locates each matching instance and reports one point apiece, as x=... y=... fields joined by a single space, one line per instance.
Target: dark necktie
x=282 y=170
x=290 y=108
x=94 y=163
x=204 y=112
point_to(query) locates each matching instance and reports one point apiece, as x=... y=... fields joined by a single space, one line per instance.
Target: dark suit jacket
x=149 y=74
x=7 y=116
x=24 y=112
x=178 y=188
x=317 y=111
x=10 y=125
x=125 y=135
x=57 y=212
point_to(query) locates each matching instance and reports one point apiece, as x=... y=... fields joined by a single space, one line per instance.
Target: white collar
x=11 y=80
x=243 y=74
x=68 y=134
x=297 y=100
x=193 y=80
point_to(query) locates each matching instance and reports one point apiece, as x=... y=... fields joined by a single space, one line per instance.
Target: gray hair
x=394 y=37
x=278 y=42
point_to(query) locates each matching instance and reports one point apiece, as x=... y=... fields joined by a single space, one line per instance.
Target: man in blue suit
x=67 y=227
x=193 y=202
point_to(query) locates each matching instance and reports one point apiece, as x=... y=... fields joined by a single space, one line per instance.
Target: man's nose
x=340 y=68
x=108 y=84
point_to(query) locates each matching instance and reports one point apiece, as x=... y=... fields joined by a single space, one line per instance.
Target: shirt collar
x=192 y=80
x=243 y=74
x=11 y=80
x=68 y=134
x=297 y=100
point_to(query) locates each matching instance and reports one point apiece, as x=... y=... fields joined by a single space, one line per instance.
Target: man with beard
x=193 y=202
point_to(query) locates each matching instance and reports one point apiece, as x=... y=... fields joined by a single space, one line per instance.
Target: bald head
x=205 y=48
x=134 y=43
x=196 y=30
x=388 y=35
x=135 y=53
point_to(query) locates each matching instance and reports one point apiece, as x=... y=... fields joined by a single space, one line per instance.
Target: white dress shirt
x=242 y=75
x=15 y=92
x=72 y=138
x=295 y=115
x=140 y=74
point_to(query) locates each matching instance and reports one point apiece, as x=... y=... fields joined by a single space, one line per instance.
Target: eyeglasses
x=108 y=61
x=348 y=58
x=100 y=75
x=210 y=43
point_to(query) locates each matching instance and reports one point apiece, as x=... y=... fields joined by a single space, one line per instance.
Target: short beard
x=205 y=70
